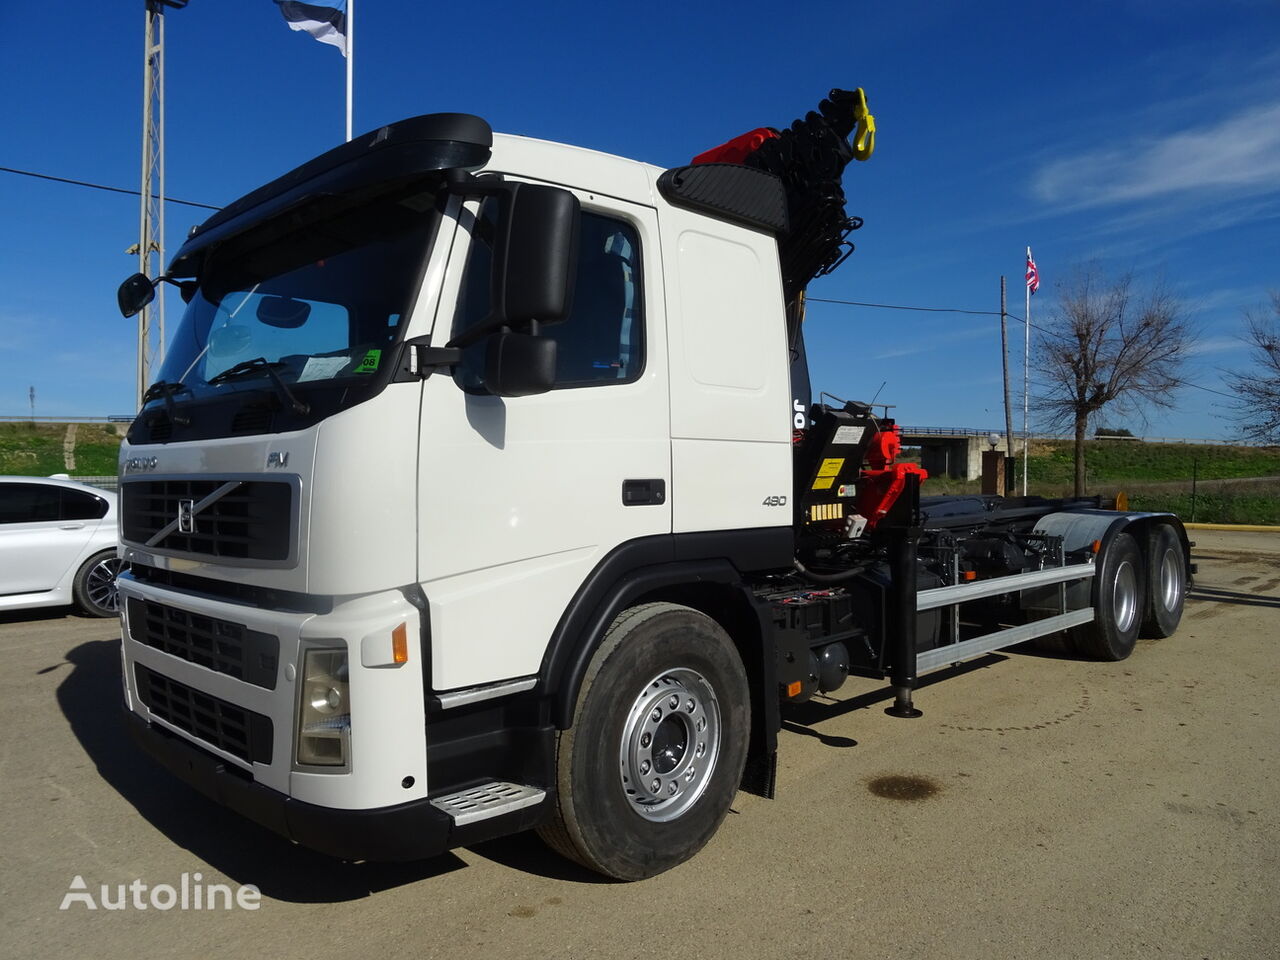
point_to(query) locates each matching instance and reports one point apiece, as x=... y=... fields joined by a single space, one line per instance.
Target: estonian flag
x=326 y=20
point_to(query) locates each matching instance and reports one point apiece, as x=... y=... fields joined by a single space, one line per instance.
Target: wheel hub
x=1125 y=597
x=1171 y=580
x=100 y=584
x=670 y=743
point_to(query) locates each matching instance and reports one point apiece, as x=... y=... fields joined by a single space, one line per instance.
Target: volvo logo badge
x=139 y=463
x=186 y=521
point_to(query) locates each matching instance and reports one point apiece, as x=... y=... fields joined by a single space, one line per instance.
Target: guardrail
x=102 y=483
x=115 y=418
x=910 y=431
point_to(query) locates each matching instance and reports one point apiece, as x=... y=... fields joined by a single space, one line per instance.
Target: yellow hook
x=864 y=139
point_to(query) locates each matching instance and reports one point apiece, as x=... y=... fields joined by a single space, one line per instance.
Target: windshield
x=315 y=306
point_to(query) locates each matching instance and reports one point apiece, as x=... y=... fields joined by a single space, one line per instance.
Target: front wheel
x=94 y=589
x=652 y=762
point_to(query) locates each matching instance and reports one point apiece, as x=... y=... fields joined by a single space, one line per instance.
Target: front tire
x=648 y=770
x=94 y=588
x=1122 y=592
x=1166 y=583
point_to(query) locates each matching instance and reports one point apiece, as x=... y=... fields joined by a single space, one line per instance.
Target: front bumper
x=409 y=831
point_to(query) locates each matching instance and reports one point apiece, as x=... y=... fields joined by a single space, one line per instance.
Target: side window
x=28 y=502
x=82 y=506
x=602 y=341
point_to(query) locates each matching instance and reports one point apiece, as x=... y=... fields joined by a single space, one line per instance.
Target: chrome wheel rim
x=670 y=744
x=100 y=584
x=1170 y=580
x=1125 y=600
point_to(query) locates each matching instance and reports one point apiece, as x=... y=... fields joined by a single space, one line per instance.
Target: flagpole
x=1026 y=384
x=351 y=54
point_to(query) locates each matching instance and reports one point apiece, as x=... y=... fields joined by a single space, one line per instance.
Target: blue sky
x=1141 y=133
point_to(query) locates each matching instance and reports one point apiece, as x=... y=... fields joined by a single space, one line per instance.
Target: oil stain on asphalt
x=904 y=787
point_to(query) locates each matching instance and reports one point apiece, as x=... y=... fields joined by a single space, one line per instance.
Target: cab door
x=521 y=497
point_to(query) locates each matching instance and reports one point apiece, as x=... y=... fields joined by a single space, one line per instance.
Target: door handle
x=638 y=493
x=71 y=526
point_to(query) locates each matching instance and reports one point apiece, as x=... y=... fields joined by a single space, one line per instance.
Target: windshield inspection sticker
x=322 y=368
x=370 y=362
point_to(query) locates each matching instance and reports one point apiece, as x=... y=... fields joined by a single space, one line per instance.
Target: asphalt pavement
x=1043 y=806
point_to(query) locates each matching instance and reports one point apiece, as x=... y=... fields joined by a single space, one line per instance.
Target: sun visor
x=389 y=155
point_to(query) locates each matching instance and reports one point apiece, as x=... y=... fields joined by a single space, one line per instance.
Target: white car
x=57 y=545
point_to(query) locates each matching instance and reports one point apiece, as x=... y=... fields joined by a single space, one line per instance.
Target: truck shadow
x=37 y=614
x=1214 y=595
x=90 y=699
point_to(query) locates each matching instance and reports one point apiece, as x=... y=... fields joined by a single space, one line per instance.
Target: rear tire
x=1121 y=591
x=653 y=760
x=94 y=588
x=1166 y=582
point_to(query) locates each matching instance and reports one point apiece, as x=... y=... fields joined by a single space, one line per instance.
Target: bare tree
x=1107 y=346
x=1258 y=388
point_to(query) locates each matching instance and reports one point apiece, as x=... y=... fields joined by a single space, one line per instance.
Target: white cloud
x=1239 y=156
x=928 y=342
x=1217 y=345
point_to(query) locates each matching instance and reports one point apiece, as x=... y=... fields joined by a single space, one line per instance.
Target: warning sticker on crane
x=823 y=483
x=849 y=435
x=830 y=467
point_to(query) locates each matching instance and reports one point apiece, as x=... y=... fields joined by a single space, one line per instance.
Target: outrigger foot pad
x=902 y=706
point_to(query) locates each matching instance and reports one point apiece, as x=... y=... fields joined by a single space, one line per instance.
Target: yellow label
x=830 y=468
x=823 y=483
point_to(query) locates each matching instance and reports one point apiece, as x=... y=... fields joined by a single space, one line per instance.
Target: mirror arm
x=424 y=359
x=460 y=183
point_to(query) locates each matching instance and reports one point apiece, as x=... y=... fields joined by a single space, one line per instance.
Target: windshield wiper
x=259 y=364
x=165 y=389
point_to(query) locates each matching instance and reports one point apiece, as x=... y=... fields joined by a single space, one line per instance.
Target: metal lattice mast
x=151 y=216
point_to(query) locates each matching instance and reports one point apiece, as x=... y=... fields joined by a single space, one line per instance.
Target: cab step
x=488 y=800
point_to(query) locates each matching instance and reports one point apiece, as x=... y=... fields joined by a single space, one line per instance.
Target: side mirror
x=134 y=294
x=536 y=255
x=519 y=365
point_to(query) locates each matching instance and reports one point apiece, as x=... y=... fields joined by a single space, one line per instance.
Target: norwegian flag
x=1033 y=275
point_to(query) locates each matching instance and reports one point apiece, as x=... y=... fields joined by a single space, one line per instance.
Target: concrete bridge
x=954 y=452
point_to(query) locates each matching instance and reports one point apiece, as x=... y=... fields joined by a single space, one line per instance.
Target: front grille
x=234 y=730
x=230 y=648
x=249 y=522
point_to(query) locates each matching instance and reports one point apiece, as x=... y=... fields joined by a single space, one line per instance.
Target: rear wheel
x=1166 y=582
x=654 y=757
x=94 y=588
x=1121 y=592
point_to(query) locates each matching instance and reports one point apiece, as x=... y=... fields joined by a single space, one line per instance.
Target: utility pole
x=31 y=395
x=151 y=218
x=1008 y=413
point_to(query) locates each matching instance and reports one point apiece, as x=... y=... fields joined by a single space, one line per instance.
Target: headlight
x=324 y=712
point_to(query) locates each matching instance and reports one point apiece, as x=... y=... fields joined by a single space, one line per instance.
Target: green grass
x=36 y=449
x=1112 y=461
x=1156 y=476
x=1231 y=503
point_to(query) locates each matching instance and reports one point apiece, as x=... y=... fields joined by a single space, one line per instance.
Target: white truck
x=480 y=492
